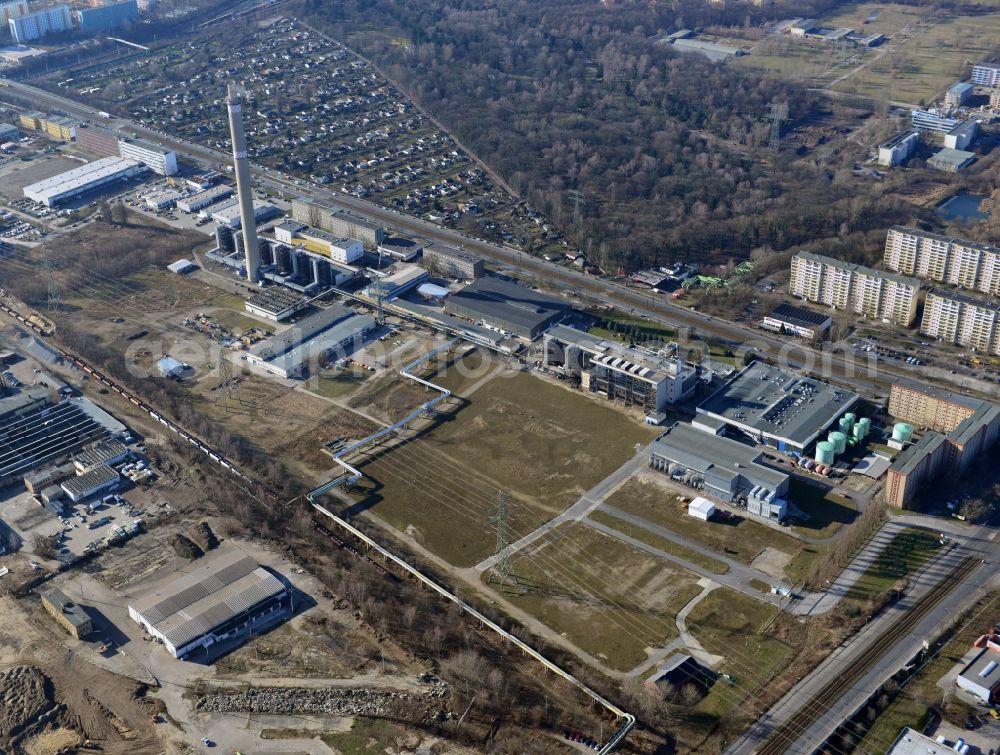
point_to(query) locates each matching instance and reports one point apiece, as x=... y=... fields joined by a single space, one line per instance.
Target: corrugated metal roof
x=198 y=602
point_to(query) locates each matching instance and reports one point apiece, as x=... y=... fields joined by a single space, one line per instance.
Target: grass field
x=338 y=383
x=827 y=512
x=540 y=442
x=610 y=599
x=923 y=66
x=668 y=546
x=903 y=556
x=742 y=542
x=732 y=625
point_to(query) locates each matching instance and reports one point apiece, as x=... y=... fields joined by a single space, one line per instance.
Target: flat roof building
x=912 y=742
x=898 y=149
x=401 y=278
x=720 y=467
x=99 y=141
x=848 y=287
x=943 y=259
x=220 y=601
x=972 y=426
x=926 y=120
x=337 y=330
x=958 y=94
x=453 y=263
x=648 y=379
x=81 y=180
x=111 y=451
x=951 y=160
x=778 y=408
x=714 y=51
x=229 y=216
x=275 y=303
x=156 y=157
x=400 y=248
x=962 y=135
x=507 y=307
x=986 y=74
x=981 y=676
x=338 y=221
x=204 y=198
x=964 y=320
x=800 y=321
x=71 y=615
x=98 y=479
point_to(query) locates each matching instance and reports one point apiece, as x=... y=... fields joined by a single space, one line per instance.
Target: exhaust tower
x=244 y=188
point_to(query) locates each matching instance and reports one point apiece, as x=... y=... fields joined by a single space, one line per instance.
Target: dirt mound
x=25 y=696
x=204 y=536
x=185 y=547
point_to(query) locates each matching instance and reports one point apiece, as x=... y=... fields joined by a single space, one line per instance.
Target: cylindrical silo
x=902 y=432
x=866 y=425
x=851 y=417
x=824 y=452
x=839 y=441
x=858 y=432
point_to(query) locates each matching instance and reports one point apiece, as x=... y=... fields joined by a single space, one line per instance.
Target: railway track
x=815 y=708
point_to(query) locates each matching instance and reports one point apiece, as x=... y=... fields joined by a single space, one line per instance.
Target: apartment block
x=967 y=264
x=854 y=288
x=963 y=320
x=986 y=74
x=37 y=25
x=960 y=430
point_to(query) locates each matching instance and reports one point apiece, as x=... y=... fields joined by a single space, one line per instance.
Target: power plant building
x=962 y=320
x=336 y=331
x=346 y=251
x=943 y=259
x=960 y=429
x=338 y=221
x=862 y=290
x=82 y=180
x=158 y=159
x=722 y=468
x=507 y=307
x=635 y=377
x=231 y=215
x=777 y=408
x=222 y=601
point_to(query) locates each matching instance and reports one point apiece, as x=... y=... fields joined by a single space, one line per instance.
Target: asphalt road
x=862 y=375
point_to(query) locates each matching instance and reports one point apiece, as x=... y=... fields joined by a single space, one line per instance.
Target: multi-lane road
x=861 y=373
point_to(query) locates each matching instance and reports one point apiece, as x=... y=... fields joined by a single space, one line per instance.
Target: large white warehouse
x=77 y=181
x=222 y=601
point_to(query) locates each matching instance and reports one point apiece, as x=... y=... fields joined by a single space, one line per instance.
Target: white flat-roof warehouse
x=80 y=180
x=222 y=600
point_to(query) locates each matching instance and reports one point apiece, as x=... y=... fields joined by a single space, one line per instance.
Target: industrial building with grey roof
x=721 y=467
x=777 y=407
x=508 y=307
x=221 y=601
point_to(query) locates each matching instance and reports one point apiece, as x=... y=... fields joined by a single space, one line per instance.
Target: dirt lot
x=18 y=173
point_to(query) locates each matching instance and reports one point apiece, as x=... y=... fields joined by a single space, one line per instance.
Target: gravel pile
x=423 y=707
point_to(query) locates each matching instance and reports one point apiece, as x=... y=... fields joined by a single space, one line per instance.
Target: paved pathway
x=579 y=510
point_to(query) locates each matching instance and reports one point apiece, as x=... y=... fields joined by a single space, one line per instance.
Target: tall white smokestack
x=244 y=188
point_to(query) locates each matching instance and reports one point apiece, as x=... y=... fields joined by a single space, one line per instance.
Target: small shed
x=701 y=508
x=181 y=266
x=170 y=367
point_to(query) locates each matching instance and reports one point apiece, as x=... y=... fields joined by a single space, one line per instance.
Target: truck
x=103 y=114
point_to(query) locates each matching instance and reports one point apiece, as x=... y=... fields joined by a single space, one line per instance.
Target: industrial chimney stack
x=244 y=189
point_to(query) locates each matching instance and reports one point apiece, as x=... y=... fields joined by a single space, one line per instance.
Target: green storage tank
x=824 y=452
x=839 y=441
x=902 y=432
